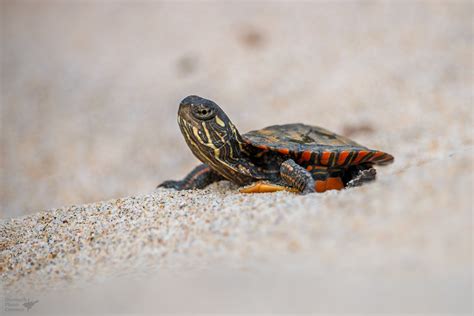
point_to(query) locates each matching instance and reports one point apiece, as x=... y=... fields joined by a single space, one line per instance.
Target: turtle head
x=207 y=129
x=195 y=110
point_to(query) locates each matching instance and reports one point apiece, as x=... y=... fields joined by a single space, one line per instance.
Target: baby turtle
x=293 y=157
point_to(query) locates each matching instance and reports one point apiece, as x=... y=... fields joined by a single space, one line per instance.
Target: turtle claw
x=170 y=184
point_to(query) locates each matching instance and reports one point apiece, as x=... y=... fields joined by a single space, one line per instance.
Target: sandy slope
x=411 y=249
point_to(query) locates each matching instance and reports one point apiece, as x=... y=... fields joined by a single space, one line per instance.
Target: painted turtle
x=294 y=157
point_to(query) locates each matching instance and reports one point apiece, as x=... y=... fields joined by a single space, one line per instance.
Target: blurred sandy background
x=90 y=92
x=90 y=89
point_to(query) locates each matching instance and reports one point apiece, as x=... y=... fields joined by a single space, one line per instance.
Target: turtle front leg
x=297 y=176
x=198 y=178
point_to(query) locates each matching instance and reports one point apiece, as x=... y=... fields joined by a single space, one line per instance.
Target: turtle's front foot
x=171 y=184
x=198 y=178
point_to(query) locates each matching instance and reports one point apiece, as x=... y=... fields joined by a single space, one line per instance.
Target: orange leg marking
x=334 y=184
x=320 y=186
x=329 y=184
x=309 y=168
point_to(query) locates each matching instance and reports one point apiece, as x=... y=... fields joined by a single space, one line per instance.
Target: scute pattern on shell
x=300 y=137
x=314 y=145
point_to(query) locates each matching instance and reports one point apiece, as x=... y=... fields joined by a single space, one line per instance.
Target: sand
x=89 y=114
x=346 y=247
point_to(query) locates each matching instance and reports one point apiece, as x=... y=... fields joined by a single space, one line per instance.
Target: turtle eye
x=203 y=112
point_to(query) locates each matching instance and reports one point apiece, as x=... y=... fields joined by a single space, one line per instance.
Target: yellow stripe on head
x=219 y=121
x=209 y=139
x=196 y=132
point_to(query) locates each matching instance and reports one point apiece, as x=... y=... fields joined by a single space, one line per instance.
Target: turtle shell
x=313 y=145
